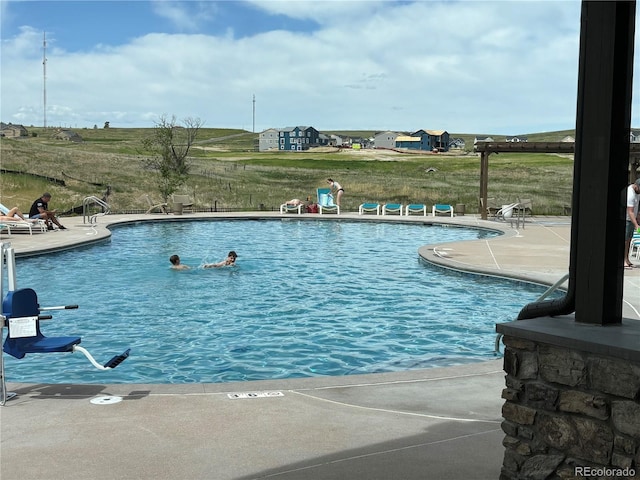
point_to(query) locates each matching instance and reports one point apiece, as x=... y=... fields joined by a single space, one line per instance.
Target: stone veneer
x=572 y=403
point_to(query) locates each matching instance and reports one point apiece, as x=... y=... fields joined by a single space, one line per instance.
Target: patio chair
x=157 y=206
x=491 y=207
x=369 y=207
x=392 y=208
x=442 y=209
x=187 y=203
x=525 y=206
x=325 y=202
x=419 y=208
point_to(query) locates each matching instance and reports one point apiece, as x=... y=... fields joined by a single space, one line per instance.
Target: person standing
x=40 y=209
x=335 y=186
x=633 y=199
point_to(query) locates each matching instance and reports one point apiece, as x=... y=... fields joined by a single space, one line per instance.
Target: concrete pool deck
x=441 y=423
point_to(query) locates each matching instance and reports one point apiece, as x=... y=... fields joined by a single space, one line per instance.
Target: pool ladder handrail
x=93 y=200
x=547 y=292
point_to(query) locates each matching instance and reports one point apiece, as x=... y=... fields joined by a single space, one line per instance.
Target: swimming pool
x=307 y=298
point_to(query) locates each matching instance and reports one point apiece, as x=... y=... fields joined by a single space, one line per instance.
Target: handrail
x=93 y=200
x=547 y=292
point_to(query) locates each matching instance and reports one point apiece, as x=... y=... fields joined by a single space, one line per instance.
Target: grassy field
x=228 y=173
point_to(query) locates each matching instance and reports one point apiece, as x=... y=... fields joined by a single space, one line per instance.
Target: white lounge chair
x=419 y=208
x=22 y=225
x=187 y=203
x=370 y=207
x=287 y=207
x=442 y=209
x=392 y=208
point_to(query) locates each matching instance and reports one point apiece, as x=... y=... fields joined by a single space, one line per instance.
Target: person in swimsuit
x=338 y=189
x=175 y=263
x=230 y=261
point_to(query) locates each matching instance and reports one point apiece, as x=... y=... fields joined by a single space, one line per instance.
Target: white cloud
x=483 y=67
x=186 y=16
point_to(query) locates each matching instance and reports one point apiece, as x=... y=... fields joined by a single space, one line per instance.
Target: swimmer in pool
x=230 y=261
x=175 y=263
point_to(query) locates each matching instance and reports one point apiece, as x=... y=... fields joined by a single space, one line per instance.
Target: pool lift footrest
x=111 y=364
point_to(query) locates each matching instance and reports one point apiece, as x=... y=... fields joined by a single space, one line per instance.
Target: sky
x=474 y=66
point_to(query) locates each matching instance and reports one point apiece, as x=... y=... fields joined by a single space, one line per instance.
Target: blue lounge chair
x=325 y=202
x=442 y=209
x=415 y=208
x=392 y=208
x=369 y=208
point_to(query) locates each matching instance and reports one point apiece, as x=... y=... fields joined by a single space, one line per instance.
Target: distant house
x=268 y=140
x=324 y=140
x=568 y=138
x=11 y=130
x=385 y=139
x=517 y=138
x=68 y=135
x=427 y=140
x=297 y=138
x=456 y=143
x=480 y=138
x=635 y=136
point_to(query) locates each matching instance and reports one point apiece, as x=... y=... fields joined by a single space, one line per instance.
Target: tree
x=169 y=144
x=106 y=124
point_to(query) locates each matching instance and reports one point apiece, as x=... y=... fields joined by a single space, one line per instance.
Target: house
x=634 y=136
x=517 y=138
x=68 y=135
x=428 y=140
x=268 y=140
x=480 y=138
x=385 y=139
x=11 y=130
x=297 y=138
x=457 y=143
x=569 y=138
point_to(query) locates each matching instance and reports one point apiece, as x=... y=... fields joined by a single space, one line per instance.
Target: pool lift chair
x=21 y=315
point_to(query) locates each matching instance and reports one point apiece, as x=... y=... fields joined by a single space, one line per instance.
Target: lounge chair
x=21 y=225
x=491 y=208
x=370 y=207
x=525 y=207
x=187 y=203
x=157 y=206
x=325 y=202
x=442 y=209
x=288 y=207
x=419 y=208
x=392 y=208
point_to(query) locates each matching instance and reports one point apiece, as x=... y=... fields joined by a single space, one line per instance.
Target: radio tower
x=254 y=114
x=44 y=74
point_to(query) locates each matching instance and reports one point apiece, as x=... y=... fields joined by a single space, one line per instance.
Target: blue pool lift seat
x=22 y=306
x=325 y=202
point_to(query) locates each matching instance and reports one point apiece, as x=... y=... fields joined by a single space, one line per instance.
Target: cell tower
x=44 y=75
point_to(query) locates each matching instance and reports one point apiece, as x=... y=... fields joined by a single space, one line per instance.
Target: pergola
x=487 y=148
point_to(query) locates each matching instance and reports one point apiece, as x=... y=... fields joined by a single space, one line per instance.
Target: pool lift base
x=27 y=338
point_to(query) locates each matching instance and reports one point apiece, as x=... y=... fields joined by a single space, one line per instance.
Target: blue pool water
x=306 y=298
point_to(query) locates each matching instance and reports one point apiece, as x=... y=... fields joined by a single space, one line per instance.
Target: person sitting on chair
x=230 y=261
x=40 y=209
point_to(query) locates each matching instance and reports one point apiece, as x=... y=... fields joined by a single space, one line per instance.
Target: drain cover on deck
x=255 y=395
x=106 y=400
